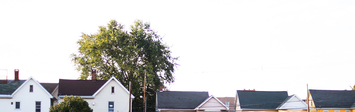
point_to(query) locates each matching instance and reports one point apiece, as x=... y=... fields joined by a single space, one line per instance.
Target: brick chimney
x=160 y=88
x=93 y=74
x=16 y=74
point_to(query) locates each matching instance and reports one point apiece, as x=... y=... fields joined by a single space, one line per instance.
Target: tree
x=71 y=104
x=126 y=55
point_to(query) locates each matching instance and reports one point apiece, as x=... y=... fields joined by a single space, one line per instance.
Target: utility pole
x=307 y=99
x=130 y=106
x=144 y=98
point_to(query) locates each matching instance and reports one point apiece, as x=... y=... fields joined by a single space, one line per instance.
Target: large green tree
x=71 y=104
x=113 y=51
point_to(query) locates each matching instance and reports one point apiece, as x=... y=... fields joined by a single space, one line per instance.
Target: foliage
x=71 y=104
x=126 y=55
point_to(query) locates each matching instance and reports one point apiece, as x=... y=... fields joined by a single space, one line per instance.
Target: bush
x=71 y=104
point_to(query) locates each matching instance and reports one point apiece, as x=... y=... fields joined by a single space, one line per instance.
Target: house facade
x=101 y=95
x=212 y=104
x=24 y=96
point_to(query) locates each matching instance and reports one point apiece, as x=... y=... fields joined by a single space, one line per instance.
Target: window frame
x=111 y=109
x=112 y=89
x=38 y=106
x=17 y=103
x=31 y=88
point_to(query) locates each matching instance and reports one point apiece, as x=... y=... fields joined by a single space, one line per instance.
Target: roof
x=261 y=99
x=79 y=87
x=333 y=98
x=228 y=99
x=10 y=87
x=180 y=99
x=49 y=86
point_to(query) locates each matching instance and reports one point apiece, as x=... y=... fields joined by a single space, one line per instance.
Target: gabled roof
x=267 y=100
x=50 y=87
x=208 y=99
x=180 y=99
x=84 y=88
x=79 y=87
x=293 y=102
x=333 y=98
x=10 y=87
x=17 y=86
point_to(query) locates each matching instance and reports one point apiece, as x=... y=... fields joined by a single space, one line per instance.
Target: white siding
x=100 y=102
x=294 y=103
x=212 y=105
x=27 y=99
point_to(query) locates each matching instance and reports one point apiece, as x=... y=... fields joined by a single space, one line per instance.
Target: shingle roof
x=10 y=87
x=228 y=99
x=333 y=98
x=49 y=86
x=79 y=87
x=180 y=99
x=261 y=99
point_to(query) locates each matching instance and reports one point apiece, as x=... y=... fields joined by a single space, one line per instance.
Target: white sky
x=223 y=46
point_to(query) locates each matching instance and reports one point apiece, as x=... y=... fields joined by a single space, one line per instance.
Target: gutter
x=6 y=96
x=85 y=97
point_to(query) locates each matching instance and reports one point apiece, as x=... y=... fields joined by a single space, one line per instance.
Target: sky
x=223 y=46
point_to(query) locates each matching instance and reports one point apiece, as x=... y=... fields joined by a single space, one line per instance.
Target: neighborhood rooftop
x=333 y=98
x=81 y=87
x=261 y=99
x=180 y=99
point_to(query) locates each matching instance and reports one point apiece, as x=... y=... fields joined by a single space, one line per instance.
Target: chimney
x=93 y=74
x=161 y=88
x=16 y=75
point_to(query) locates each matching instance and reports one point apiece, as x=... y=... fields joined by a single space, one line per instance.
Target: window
x=112 y=89
x=111 y=106
x=325 y=110
x=347 y=110
x=17 y=105
x=38 y=106
x=336 y=110
x=31 y=88
x=227 y=104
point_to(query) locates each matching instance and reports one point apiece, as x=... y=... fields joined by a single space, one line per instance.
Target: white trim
x=288 y=100
x=175 y=109
x=198 y=107
x=119 y=83
x=84 y=97
x=30 y=78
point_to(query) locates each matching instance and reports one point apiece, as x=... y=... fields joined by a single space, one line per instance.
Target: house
x=229 y=102
x=331 y=100
x=102 y=95
x=268 y=101
x=293 y=104
x=179 y=101
x=212 y=104
x=52 y=88
x=24 y=96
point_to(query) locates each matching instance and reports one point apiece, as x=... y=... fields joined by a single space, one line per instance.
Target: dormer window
x=31 y=88
x=112 y=89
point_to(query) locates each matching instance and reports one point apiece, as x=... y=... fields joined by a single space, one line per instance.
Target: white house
x=102 y=95
x=212 y=104
x=24 y=96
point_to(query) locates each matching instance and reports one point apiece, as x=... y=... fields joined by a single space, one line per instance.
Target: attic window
x=112 y=89
x=31 y=88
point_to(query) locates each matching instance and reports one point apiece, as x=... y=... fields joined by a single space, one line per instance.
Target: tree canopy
x=113 y=51
x=71 y=104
